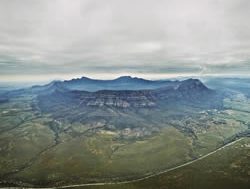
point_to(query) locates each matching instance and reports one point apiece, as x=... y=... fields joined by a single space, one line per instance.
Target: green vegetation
x=226 y=169
x=100 y=157
x=38 y=149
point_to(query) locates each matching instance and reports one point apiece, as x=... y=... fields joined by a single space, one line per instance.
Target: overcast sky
x=49 y=39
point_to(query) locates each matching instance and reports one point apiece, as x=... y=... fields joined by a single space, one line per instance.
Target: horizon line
x=42 y=78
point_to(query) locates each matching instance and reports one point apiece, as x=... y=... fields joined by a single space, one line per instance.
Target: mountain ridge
x=120 y=83
x=191 y=91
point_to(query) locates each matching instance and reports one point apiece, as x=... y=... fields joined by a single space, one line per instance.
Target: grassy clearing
x=101 y=157
x=23 y=143
x=82 y=155
x=226 y=169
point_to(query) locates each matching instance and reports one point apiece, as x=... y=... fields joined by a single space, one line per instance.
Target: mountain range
x=85 y=100
x=64 y=100
x=121 y=83
x=87 y=131
x=123 y=92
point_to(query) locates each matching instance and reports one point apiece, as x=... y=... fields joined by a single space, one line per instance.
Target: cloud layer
x=91 y=37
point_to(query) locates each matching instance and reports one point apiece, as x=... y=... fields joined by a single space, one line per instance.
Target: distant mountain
x=189 y=92
x=122 y=102
x=94 y=85
x=230 y=85
x=123 y=92
x=191 y=84
x=121 y=83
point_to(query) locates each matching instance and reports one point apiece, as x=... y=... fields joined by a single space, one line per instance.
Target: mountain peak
x=192 y=84
x=82 y=78
x=124 y=78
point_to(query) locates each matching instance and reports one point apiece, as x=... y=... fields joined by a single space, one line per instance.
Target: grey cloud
x=137 y=36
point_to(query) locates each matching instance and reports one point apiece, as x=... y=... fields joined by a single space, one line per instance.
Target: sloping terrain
x=52 y=136
x=121 y=83
x=226 y=169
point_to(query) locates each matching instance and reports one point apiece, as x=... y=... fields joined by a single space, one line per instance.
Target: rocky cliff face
x=125 y=108
x=186 y=92
x=123 y=99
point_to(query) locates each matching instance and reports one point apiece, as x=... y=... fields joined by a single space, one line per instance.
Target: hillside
x=69 y=136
